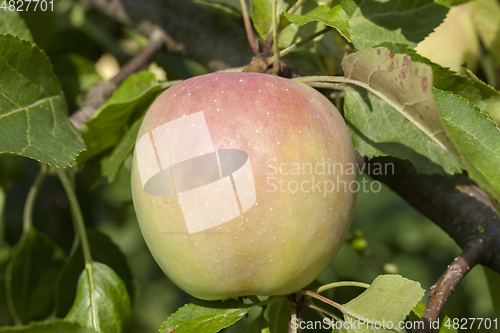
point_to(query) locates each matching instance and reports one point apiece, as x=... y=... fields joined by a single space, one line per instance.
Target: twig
x=297 y=313
x=473 y=253
x=296 y=6
x=248 y=28
x=98 y=94
x=276 y=51
x=292 y=47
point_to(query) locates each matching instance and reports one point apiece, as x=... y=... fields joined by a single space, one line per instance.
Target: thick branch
x=209 y=35
x=455 y=203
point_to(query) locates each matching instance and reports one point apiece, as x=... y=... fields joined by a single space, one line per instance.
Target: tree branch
x=474 y=253
x=214 y=38
x=99 y=93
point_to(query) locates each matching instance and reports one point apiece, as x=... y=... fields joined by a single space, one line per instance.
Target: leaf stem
x=306 y=40
x=31 y=198
x=276 y=66
x=77 y=214
x=323 y=311
x=341 y=284
x=327 y=301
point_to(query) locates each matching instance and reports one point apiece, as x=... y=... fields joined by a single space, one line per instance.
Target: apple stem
x=276 y=52
x=30 y=200
x=76 y=214
x=306 y=40
x=341 y=284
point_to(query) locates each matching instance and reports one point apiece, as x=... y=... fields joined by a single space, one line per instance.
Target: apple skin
x=286 y=239
x=454 y=42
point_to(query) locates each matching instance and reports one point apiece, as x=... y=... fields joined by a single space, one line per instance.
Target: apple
x=454 y=42
x=243 y=184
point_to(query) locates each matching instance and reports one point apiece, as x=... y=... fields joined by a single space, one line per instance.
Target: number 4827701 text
x=27 y=5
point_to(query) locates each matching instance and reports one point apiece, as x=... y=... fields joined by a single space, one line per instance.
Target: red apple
x=242 y=184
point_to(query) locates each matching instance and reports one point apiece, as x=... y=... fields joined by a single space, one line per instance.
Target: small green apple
x=243 y=184
x=454 y=42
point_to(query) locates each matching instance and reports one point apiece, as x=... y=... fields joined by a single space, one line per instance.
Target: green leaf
x=259 y=325
x=34 y=266
x=477 y=138
x=389 y=298
x=204 y=317
x=102 y=301
x=108 y=124
x=278 y=315
x=56 y=326
x=103 y=250
x=444 y=78
x=110 y=165
x=32 y=107
x=260 y=12
x=405 y=86
x=333 y=17
x=373 y=22
x=379 y=130
x=12 y=23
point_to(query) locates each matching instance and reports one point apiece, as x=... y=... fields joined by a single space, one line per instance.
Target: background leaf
x=278 y=316
x=108 y=124
x=12 y=23
x=204 y=317
x=373 y=22
x=34 y=124
x=111 y=164
x=34 y=266
x=103 y=250
x=389 y=298
x=102 y=301
x=259 y=325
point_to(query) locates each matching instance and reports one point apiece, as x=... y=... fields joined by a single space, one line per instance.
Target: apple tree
x=262 y=93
